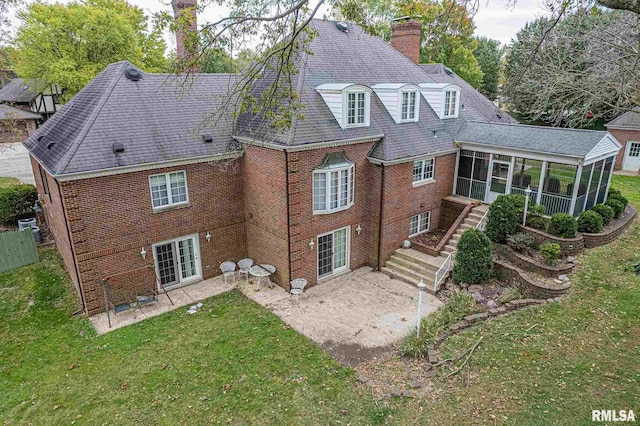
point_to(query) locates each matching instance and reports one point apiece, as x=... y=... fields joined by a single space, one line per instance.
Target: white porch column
x=613 y=165
x=586 y=199
x=455 y=177
x=488 y=180
x=576 y=187
x=604 y=163
x=543 y=173
x=510 y=175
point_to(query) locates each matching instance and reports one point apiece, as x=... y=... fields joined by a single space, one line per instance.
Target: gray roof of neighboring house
x=10 y=113
x=20 y=91
x=157 y=118
x=628 y=120
x=469 y=95
x=552 y=140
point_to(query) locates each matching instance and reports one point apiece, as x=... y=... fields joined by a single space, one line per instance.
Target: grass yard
x=236 y=363
x=6 y=182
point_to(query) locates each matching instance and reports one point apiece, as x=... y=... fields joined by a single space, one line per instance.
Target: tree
x=575 y=70
x=70 y=44
x=489 y=56
x=447 y=29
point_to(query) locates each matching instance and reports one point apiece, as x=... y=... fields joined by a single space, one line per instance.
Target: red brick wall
x=405 y=38
x=623 y=137
x=111 y=219
x=305 y=226
x=265 y=203
x=402 y=200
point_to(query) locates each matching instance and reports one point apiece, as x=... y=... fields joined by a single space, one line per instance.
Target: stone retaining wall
x=528 y=264
x=527 y=285
x=602 y=238
x=568 y=246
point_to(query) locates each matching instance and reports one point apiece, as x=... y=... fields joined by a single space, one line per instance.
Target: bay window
x=333 y=190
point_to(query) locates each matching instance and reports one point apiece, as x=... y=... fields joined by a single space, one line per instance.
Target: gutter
x=286 y=161
x=308 y=147
x=380 y=217
x=379 y=162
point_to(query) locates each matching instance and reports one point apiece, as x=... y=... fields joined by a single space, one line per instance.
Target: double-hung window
x=333 y=190
x=168 y=189
x=409 y=101
x=419 y=223
x=423 y=170
x=356 y=109
x=450 y=100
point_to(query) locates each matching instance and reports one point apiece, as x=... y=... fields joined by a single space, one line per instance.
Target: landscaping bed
x=430 y=239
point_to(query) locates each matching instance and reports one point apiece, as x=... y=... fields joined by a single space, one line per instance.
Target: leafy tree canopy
x=69 y=44
x=489 y=56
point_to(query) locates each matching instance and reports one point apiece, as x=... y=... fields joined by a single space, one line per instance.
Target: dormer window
x=356 y=109
x=409 y=102
x=349 y=103
x=450 y=103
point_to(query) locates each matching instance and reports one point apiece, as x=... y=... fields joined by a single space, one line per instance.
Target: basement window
x=419 y=224
x=168 y=189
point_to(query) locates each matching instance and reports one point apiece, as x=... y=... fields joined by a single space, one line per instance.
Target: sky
x=494 y=18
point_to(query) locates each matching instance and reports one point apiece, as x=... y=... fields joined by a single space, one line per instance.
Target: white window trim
x=169 y=195
x=444 y=103
x=423 y=181
x=351 y=189
x=428 y=213
x=417 y=106
x=342 y=269
x=345 y=108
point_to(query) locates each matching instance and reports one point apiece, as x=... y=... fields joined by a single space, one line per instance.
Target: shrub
x=537 y=222
x=620 y=198
x=550 y=252
x=502 y=219
x=517 y=200
x=614 y=192
x=590 y=222
x=606 y=212
x=536 y=210
x=473 y=259
x=520 y=241
x=563 y=225
x=616 y=205
x=16 y=202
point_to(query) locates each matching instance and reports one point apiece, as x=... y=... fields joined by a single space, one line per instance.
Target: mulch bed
x=431 y=238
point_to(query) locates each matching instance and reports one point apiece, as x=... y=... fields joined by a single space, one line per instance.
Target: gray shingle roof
x=553 y=140
x=628 y=120
x=10 y=113
x=20 y=90
x=156 y=119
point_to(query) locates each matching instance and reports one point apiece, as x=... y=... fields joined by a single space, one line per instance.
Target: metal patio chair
x=228 y=270
x=297 y=287
x=244 y=265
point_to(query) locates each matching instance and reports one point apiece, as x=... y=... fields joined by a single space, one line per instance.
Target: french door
x=178 y=261
x=333 y=252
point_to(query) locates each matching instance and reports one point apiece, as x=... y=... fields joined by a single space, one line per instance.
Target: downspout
x=380 y=218
x=286 y=160
x=73 y=253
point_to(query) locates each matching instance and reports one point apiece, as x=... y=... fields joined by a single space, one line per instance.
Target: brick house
x=626 y=128
x=16 y=124
x=131 y=175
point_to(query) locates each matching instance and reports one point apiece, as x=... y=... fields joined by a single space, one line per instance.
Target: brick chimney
x=181 y=7
x=405 y=38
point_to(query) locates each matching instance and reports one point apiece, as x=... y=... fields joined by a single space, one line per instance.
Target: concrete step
x=408 y=279
x=480 y=208
x=466 y=226
x=475 y=215
x=421 y=259
x=427 y=277
x=450 y=248
x=471 y=221
x=445 y=253
x=453 y=242
x=455 y=237
x=421 y=268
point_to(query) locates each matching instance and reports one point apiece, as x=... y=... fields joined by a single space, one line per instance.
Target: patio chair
x=228 y=270
x=297 y=287
x=244 y=265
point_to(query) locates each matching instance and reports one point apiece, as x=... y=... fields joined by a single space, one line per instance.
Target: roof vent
x=207 y=138
x=40 y=138
x=50 y=145
x=448 y=71
x=498 y=113
x=118 y=148
x=342 y=26
x=132 y=74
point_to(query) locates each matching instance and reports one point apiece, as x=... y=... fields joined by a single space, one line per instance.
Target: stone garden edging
x=527 y=285
x=529 y=264
x=568 y=246
x=602 y=238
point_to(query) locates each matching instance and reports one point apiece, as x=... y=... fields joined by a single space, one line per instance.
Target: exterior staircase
x=411 y=265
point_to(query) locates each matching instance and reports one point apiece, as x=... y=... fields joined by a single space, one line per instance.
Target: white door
x=333 y=252
x=178 y=261
x=632 y=157
x=498 y=183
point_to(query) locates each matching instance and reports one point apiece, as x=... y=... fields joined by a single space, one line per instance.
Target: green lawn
x=236 y=363
x=6 y=182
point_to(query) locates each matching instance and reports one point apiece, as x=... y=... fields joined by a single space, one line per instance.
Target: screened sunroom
x=567 y=170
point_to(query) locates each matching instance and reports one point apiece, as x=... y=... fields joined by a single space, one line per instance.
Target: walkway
x=14 y=162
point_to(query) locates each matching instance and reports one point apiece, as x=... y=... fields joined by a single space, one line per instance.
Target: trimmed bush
x=614 y=191
x=502 y=219
x=520 y=241
x=550 y=252
x=620 y=198
x=616 y=205
x=590 y=222
x=537 y=222
x=606 y=212
x=473 y=259
x=16 y=202
x=536 y=210
x=563 y=225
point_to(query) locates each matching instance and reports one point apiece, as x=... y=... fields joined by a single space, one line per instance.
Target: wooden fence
x=17 y=248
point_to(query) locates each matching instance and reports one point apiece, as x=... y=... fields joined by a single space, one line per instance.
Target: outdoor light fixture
x=143 y=253
x=311 y=244
x=208 y=236
x=527 y=192
x=358 y=229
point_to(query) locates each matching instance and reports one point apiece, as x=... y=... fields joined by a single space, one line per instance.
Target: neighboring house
x=32 y=95
x=16 y=125
x=626 y=128
x=6 y=75
x=131 y=175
